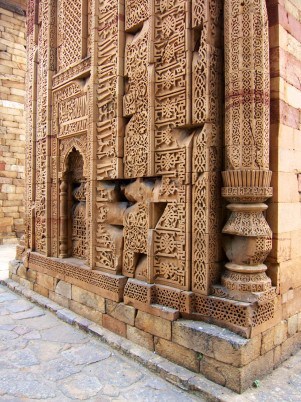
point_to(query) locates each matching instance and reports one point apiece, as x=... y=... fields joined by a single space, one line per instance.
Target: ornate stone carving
x=124 y=135
x=248 y=238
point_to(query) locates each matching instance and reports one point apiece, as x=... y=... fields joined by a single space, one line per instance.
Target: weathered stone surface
x=81 y=387
x=31 y=275
x=292 y=325
x=31 y=313
x=7 y=296
x=268 y=340
x=22 y=272
x=27 y=284
x=154 y=325
x=86 y=354
x=126 y=375
x=57 y=369
x=66 y=315
x=290 y=346
x=61 y=300
x=45 y=280
x=280 y=332
x=41 y=290
x=18 y=306
x=215 y=342
x=87 y=312
x=121 y=312
x=64 y=289
x=25 y=385
x=140 y=337
x=114 y=325
x=178 y=354
x=237 y=379
x=88 y=298
x=6 y=335
x=63 y=334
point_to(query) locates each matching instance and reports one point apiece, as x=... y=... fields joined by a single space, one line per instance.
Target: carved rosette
x=247 y=236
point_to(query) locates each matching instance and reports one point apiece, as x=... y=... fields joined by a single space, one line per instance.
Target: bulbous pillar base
x=247 y=242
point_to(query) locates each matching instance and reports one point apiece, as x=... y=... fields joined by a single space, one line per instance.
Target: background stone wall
x=284 y=212
x=12 y=119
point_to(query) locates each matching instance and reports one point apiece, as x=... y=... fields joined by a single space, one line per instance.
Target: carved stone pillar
x=63 y=219
x=248 y=238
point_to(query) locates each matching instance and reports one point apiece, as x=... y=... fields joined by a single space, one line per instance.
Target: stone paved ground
x=43 y=358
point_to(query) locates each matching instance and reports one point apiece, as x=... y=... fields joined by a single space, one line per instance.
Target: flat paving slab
x=44 y=358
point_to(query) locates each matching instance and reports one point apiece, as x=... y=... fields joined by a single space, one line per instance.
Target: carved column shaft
x=247 y=176
x=63 y=219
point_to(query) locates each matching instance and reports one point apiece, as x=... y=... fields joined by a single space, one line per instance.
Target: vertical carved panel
x=109 y=89
x=41 y=132
x=109 y=233
x=171 y=56
x=207 y=145
x=31 y=85
x=107 y=56
x=172 y=59
x=137 y=100
x=247 y=89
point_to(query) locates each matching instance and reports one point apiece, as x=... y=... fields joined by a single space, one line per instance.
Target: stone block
x=14 y=277
x=292 y=325
x=87 y=312
x=178 y=354
x=154 y=325
x=26 y=283
x=41 y=290
x=114 y=325
x=237 y=378
x=62 y=301
x=218 y=343
x=64 y=289
x=280 y=333
x=267 y=340
x=88 y=298
x=139 y=337
x=293 y=304
x=277 y=356
x=290 y=346
x=7 y=221
x=46 y=281
x=31 y=275
x=22 y=273
x=121 y=312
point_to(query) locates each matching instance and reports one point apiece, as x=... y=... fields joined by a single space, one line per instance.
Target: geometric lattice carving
x=69 y=32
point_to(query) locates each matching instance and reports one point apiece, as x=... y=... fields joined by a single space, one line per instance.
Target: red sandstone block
x=154 y=325
x=277 y=14
x=114 y=325
x=281 y=112
x=2 y=166
x=142 y=338
x=178 y=354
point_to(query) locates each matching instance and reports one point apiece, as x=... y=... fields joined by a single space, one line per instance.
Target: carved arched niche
x=73 y=221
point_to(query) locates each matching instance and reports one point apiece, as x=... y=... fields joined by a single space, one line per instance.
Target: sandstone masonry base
x=217 y=353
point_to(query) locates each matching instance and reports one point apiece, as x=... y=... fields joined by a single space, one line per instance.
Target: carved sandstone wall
x=125 y=135
x=12 y=119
